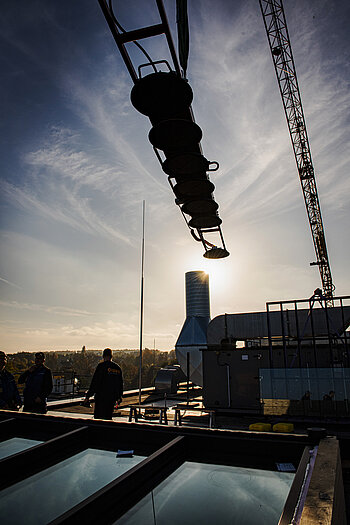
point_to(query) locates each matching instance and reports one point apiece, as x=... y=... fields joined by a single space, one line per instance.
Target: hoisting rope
x=121 y=28
x=182 y=34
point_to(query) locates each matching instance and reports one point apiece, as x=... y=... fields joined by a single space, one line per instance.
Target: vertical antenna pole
x=141 y=306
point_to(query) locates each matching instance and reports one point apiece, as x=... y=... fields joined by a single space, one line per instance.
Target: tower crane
x=282 y=56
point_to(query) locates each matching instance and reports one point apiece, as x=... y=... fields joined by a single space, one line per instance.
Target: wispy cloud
x=62 y=155
x=56 y=310
x=114 y=331
x=39 y=333
x=108 y=112
x=9 y=283
x=107 y=329
x=62 y=205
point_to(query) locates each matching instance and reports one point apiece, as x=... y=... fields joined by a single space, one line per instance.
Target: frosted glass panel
x=213 y=494
x=55 y=490
x=14 y=445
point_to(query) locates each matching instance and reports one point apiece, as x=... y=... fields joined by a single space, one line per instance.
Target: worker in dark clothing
x=9 y=396
x=330 y=396
x=38 y=380
x=306 y=396
x=107 y=385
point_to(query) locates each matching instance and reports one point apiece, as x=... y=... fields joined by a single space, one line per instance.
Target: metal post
x=141 y=300
x=283 y=335
x=228 y=385
x=331 y=354
x=298 y=332
x=311 y=306
x=188 y=375
x=345 y=334
x=269 y=333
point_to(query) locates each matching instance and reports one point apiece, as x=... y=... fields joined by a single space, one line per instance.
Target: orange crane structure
x=282 y=56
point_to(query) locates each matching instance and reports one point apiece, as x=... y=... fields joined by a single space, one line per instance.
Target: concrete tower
x=193 y=335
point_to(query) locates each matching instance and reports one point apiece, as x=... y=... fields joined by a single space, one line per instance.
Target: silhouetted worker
x=306 y=396
x=107 y=385
x=9 y=395
x=38 y=380
x=329 y=396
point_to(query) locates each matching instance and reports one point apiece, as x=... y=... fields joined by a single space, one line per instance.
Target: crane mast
x=281 y=51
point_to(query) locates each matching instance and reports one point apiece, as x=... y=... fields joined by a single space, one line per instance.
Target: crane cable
x=182 y=34
x=121 y=28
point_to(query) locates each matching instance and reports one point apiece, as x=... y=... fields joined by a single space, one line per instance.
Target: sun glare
x=216 y=275
x=219 y=271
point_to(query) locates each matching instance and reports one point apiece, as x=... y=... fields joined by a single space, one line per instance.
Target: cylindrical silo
x=197 y=294
x=193 y=335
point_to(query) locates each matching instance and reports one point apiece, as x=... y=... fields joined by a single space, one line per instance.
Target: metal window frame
x=169 y=447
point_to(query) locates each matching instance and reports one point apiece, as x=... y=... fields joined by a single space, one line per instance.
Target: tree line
x=83 y=363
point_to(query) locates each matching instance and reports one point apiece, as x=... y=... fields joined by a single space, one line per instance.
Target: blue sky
x=76 y=165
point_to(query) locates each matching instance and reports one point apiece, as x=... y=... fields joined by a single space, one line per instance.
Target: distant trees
x=83 y=364
x=18 y=363
x=152 y=361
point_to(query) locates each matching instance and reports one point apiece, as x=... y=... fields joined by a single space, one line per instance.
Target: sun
x=220 y=271
x=216 y=274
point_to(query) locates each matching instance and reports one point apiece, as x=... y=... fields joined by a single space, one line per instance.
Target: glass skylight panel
x=15 y=445
x=207 y=494
x=51 y=492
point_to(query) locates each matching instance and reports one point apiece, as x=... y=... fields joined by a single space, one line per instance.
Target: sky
x=76 y=165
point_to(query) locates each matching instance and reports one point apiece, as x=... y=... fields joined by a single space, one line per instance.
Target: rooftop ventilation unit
x=193 y=335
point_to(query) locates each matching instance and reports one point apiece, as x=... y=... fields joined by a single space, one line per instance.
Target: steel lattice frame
x=281 y=51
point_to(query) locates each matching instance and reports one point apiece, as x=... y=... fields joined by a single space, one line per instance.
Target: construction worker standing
x=38 y=380
x=9 y=396
x=107 y=385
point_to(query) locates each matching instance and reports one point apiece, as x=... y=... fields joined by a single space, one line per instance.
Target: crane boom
x=281 y=51
x=165 y=97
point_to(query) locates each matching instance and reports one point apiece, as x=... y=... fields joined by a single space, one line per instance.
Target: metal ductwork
x=240 y=327
x=254 y=360
x=193 y=335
